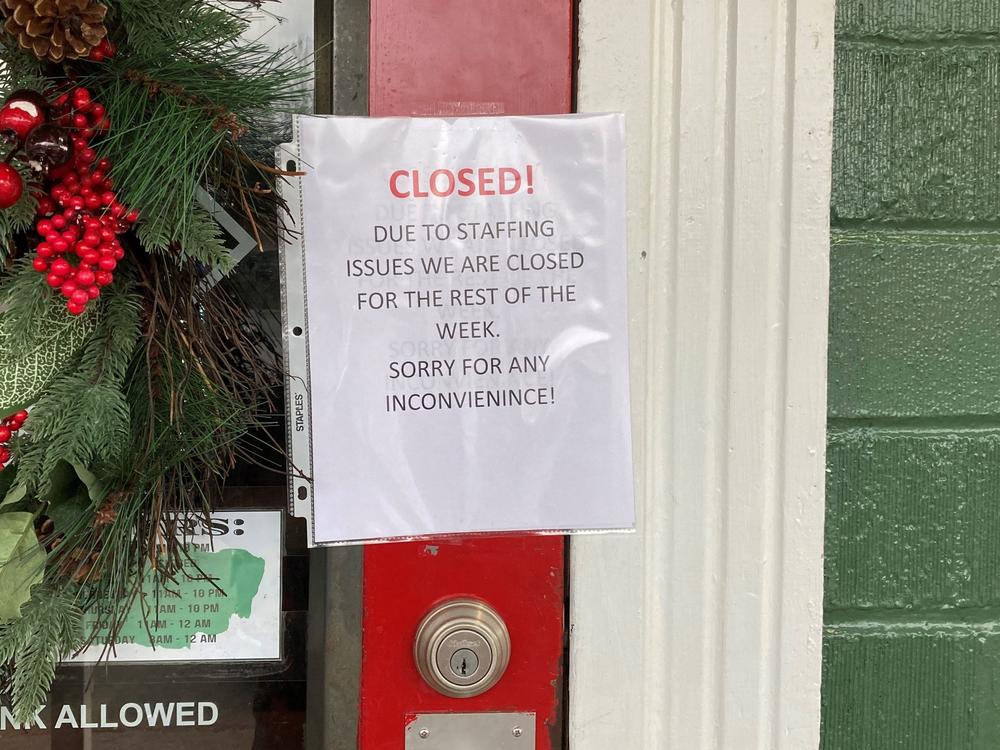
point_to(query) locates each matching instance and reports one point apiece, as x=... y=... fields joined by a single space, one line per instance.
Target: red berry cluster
x=8 y=427
x=81 y=215
x=102 y=51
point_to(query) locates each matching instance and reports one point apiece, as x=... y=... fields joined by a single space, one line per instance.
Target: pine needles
x=176 y=26
x=49 y=627
x=202 y=240
x=194 y=87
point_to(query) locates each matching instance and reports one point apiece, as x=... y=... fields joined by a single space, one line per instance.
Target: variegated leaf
x=28 y=369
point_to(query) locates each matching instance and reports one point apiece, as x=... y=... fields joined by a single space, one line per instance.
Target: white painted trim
x=704 y=629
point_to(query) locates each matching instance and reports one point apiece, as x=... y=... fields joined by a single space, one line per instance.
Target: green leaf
x=75 y=492
x=96 y=489
x=74 y=480
x=14 y=496
x=22 y=562
x=28 y=369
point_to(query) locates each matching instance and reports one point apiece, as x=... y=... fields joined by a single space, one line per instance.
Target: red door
x=466 y=57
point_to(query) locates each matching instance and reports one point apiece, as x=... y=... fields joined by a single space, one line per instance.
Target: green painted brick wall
x=913 y=520
x=912 y=128
x=912 y=602
x=913 y=689
x=920 y=20
x=914 y=324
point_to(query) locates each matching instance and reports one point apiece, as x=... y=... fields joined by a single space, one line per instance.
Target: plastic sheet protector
x=455 y=315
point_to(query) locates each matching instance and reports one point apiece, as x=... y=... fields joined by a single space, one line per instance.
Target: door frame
x=704 y=629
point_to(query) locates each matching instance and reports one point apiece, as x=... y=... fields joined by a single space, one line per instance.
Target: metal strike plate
x=484 y=731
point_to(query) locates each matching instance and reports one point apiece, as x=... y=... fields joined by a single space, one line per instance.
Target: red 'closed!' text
x=464 y=182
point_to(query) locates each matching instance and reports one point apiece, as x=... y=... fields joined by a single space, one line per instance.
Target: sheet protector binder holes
x=290 y=166
x=297 y=331
x=303 y=493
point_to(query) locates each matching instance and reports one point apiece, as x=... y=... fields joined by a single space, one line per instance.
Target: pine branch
x=105 y=358
x=47 y=631
x=200 y=240
x=192 y=85
x=160 y=182
x=153 y=25
x=21 y=69
x=75 y=421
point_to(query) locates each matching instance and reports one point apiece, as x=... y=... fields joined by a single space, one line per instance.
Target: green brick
x=918 y=19
x=915 y=135
x=913 y=519
x=911 y=688
x=914 y=325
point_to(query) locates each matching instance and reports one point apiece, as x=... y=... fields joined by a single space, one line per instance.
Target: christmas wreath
x=128 y=378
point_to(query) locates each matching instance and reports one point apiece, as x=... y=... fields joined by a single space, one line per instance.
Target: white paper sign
x=236 y=618
x=467 y=325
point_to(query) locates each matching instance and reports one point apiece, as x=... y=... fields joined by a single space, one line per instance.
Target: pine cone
x=56 y=29
x=48 y=536
x=79 y=565
x=108 y=511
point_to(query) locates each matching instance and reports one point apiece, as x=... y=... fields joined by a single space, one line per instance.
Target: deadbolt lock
x=462 y=648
